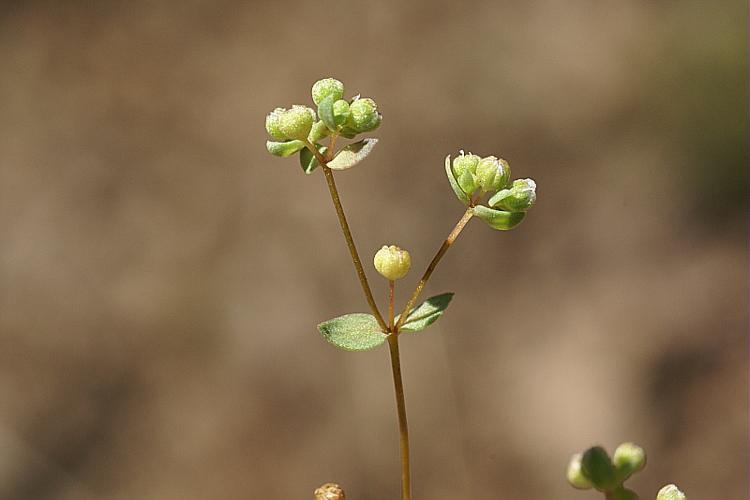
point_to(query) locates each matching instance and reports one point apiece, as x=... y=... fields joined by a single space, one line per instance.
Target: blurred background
x=161 y=275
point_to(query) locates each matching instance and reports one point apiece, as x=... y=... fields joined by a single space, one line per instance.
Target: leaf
x=426 y=313
x=284 y=149
x=454 y=184
x=352 y=154
x=353 y=332
x=325 y=112
x=499 y=219
x=307 y=159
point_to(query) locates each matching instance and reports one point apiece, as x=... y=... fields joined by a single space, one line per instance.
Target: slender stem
x=403 y=427
x=391 y=297
x=348 y=236
x=433 y=264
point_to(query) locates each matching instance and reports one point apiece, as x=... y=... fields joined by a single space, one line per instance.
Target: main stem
x=433 y=264
x=403 y=426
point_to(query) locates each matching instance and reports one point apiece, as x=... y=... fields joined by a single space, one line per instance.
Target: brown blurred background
x=161 y=275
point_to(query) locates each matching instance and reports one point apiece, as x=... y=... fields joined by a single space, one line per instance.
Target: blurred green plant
x=301 y=130
x=594 y=469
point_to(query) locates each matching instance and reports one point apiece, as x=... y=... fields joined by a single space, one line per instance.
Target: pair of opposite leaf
x=595 y=469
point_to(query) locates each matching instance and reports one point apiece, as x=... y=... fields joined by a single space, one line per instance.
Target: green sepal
x=426 y=313
x=325 y=112
x=318 y=131
x=498 y=197
x=467 y=182
x=353 y=332
x=462 y=197
x=499 y=219
x=307 y=159
x=284 y=149
x=597 y=467
x=352 y=154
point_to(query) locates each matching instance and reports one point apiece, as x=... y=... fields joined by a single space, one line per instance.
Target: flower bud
x=492 y=173
x=325 y=87
x=628 y=458
x=575 y=475
x=330 y=491
x=340 y=112
x=670 y=492
x=465 y=163
x=392 y=262
x=598 y=468
x=519 y=198
x=273 y=124
x=297 y=122
x=364 y=115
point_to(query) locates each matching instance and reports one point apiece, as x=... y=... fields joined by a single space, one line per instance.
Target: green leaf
x=307 y=159
x=325 y=112
x=352 y=154
x=284 y=149
x=426 y=313
x=454 y=184
x=499 y=219
x=353 y=332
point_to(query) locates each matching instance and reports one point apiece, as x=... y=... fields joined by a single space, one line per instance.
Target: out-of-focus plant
x=315 y=136
x=594 y=469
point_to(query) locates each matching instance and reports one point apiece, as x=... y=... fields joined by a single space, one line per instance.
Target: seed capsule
x=363 y=115
x=330 y=491
x=325 y=87
x=392 y=262
x=492 y=173
x=273 y=124
x=575 y=475
x=296 y=123
x=670 y=492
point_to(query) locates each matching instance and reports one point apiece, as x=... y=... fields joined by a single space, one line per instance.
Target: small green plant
x=594 y=469
x=315 y=136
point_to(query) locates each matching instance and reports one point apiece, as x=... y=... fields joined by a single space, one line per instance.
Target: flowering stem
x=433 y=264
x=403 y=426
x=348 y=236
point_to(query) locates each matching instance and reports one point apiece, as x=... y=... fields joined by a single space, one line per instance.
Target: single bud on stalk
x=325 y=87
x=492 y=173
x=575 y=475
x=363 y=115
x=273 y=124
x=519 y=198
x=392 y=262
x=670 y=492
x=628 y=458
x=297 y=122
x=330 y=491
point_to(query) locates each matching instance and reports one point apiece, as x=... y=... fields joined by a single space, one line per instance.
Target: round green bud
x=575 y=474
x=392 y=262
x=325 y=87
x=492 y=173
x=330 y=491
x=465 y=163
x=597 y=467
x=628 y=458
x=363 y=115
x=297 y=122
x=273 y=124
x=519 y=198
x=670 y=492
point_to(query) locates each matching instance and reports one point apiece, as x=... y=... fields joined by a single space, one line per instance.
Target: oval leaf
x=463 y=197
x=426 y=313
x=352 y=154
x=325 y=112
x=353 y=332
x=307 y=159
x=499 y=219
x=284 y=149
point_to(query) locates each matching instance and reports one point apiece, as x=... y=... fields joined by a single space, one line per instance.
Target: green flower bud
x=621 y=493
x=670 y=492
x=340 y=112
x=598 y=468
x=325 y=87
x=492 y=173
x=364 y=115
x=297 y=122
x=628 y=458
x=330 y=491
x=465 y=163
x=392 y=262
x=575 y=475
x=273 y=124
x=519 y=198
